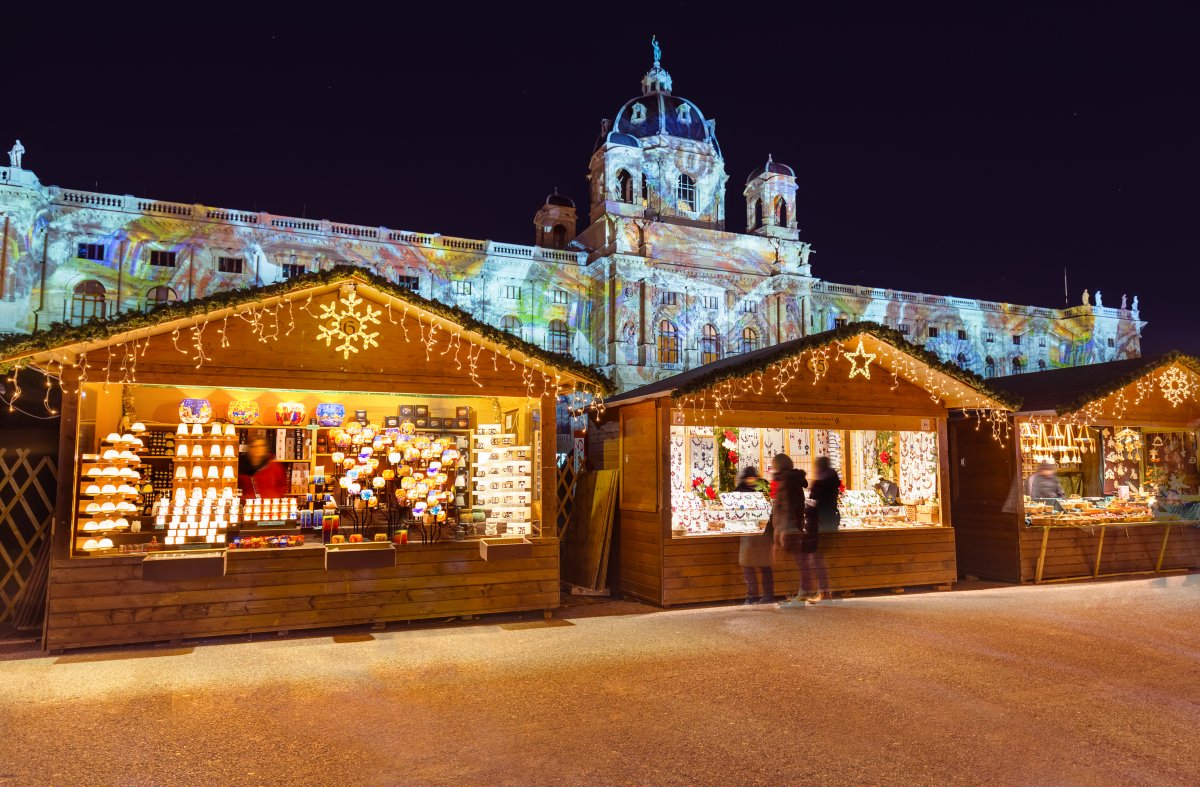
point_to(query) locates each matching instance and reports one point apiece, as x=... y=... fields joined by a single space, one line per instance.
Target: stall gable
x=1168 y=397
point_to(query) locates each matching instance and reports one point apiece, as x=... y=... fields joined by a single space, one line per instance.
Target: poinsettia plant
x=704 y=489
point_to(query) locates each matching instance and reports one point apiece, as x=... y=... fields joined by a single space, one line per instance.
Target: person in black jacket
x=787 y=515
x=820 y=514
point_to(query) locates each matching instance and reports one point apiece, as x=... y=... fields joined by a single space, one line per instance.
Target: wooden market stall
x=1122 y=437
x=414 y=448
x=861 y=394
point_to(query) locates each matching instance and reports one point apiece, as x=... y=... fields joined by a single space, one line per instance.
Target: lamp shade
x=195 y=411
x=243 y=412
x=331 y=414
x=290 y=413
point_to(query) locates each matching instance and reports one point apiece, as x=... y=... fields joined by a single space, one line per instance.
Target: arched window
x=710 y=345
x=511 y=324
x=749 y=341
x=624 y=186
x=781 y=218
x=989 y=367
x=685 y=191
x=638 y=115
x=684 y=113
x=159 y=295
x=558 y=237
x=1018 y=365
x=757 y=213
x=88 y=301
x=558 y=337
x=645 y=190
x=1041 y=364
x=668 y=342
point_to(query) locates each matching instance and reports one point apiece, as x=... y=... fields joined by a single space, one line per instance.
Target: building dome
x=771 y=166
x=560 y=200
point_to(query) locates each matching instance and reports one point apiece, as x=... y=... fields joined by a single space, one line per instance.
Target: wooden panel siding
x=706 y=569
x=104 y=601
x=1072 y=553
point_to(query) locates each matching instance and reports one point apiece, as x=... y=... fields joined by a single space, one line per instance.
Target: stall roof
x=704 y=377
x=1071 y=388
x=99 y=333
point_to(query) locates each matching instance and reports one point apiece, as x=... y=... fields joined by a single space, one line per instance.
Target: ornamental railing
x=291 y=224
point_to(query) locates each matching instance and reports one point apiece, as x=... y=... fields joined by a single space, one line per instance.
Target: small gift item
x=182 y=431
x=331 y=414
x=243 y=412
x=195 y=411
x=290 y=413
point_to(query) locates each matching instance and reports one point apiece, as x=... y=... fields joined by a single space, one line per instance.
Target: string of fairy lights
x=716 y=402
x=347 y=320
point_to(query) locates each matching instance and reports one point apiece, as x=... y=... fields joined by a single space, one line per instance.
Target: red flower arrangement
x=885 y=458
x=733 y=457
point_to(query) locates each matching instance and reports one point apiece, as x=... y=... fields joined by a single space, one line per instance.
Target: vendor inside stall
x=1102 y=479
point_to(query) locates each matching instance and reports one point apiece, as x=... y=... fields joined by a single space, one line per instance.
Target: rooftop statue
x=14 y=155
x=657 y=49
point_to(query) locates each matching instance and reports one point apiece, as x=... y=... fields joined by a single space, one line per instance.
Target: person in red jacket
x=259 y=475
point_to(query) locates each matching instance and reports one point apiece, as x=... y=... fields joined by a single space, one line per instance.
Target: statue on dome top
x=14 y=155
x=657 y=49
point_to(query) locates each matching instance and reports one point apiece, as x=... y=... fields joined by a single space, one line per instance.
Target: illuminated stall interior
x=1121 y=440
x=861 y=395
x=413 y=444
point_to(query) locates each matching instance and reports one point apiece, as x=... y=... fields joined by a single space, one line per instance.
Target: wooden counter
x=706 y=568
x=1070 y=552
x=104 y=601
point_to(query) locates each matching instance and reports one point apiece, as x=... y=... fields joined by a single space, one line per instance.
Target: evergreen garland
x=62 y=334
x=1189 y=362
x=762 y=360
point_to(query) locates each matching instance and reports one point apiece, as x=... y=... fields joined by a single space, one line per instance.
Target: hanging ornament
x=347 y=325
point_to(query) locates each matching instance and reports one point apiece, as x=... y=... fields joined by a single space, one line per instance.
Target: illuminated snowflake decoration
x=1175 y=386
x=346 y=325
x=865 y=369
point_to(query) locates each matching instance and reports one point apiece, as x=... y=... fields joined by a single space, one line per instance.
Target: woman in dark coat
x=821 y=514
x=756 y=552
x=787 y=514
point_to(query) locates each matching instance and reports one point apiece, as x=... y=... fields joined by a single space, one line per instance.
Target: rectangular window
x=291 y=270
x=512 y=292
x=710 y=301
x=669 y=298
x=904 y=328
x=989 y=337
x=840 y=321
x=962 y=335
x=1041 y=341
x=410 y=283
x=230 y=264
x=749 y=307
x=462 y=287
x=559 y=296
x=91 y=251
x=162 y=259
x=1016 y=340
x=1112 y=342
x=933 y=332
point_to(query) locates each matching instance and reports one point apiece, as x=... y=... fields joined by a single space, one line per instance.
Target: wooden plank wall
x=1072 y=553
x=103 y=601
x=986 y=502
x=706 y=568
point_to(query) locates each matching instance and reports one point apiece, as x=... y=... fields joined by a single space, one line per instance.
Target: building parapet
x=202 y=213
x=875 y=293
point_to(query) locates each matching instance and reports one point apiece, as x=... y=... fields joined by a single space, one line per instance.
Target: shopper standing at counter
x=259 y=475
x=1044 y=483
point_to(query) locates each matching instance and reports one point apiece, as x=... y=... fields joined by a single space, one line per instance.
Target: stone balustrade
x=201 y=213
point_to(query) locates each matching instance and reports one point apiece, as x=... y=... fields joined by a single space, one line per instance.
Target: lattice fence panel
x=28 y=484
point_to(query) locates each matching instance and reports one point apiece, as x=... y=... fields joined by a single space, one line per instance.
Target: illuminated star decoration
x=347 y=325
x=867 y=357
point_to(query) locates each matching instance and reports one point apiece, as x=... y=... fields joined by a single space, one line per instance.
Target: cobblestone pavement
x=1094 y=683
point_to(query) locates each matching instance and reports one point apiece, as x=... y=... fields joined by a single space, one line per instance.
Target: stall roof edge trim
x=60 y=336
x=1068 y=390
x=705 y=377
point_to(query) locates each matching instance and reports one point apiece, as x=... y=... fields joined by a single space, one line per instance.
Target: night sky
x=975 y=152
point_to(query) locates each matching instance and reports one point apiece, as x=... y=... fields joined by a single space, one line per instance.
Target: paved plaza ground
x=1095 y=683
